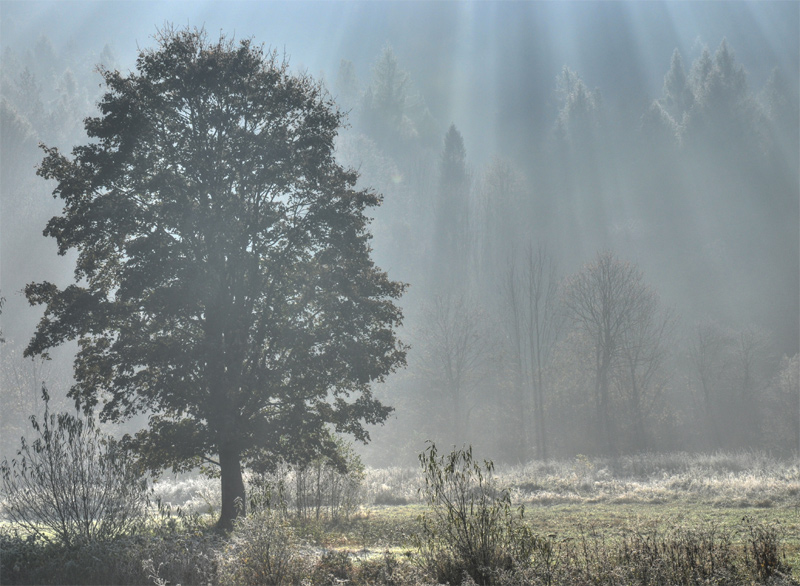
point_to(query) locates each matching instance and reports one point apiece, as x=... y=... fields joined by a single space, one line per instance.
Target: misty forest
x=400 y=293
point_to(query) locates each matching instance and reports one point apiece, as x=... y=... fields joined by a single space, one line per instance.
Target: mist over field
x=528 y=156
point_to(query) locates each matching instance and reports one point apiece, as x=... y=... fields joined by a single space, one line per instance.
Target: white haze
x=718 y=248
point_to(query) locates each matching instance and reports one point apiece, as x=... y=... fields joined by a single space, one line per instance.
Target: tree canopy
x=223 y=281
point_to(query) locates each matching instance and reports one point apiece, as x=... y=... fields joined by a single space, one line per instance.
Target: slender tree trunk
x=233 y=494
x=609 y=435
x=639 y=434
x=602 y=403
x=711 y=420
x=540 y=416
x=598 y=402
x=521 y=424
x=459 y=431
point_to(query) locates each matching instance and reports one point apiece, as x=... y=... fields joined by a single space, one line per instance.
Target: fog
x=663 y=134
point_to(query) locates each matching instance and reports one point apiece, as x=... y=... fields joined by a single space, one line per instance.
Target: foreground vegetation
x=677 y=519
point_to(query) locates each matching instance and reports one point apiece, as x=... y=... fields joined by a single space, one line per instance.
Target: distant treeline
x=691 y=205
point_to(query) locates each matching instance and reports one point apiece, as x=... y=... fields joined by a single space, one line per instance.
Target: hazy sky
x=496 y=58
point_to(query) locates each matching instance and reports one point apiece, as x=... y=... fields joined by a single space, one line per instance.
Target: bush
x=178 y=557
x=386 y=570
x=324 y=490
x=334 y=567
x=261 y=551
x=697 y=555
x=390 y=499
x=470 y=529
x=704 y=555
x=392 y=486
x=72 y=484
x=762 y=549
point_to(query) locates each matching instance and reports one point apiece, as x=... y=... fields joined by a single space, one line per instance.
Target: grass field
x=595 y=514
x=593 y=498
x=380 y=528
x=392 y=527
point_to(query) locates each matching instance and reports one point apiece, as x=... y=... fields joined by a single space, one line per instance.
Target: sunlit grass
x=595 y=503
x=391 y=528
x=598 y=497
x=705 y=481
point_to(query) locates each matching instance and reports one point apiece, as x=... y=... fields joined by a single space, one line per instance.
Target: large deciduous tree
x=224 y=283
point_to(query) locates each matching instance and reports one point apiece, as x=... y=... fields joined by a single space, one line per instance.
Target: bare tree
x=753 y=368
x=784 y=406
x=498 y=215
x=533 y=323
x=706 y=354
x=515 y=337
x=608 y=300
x=644 y=349
x=733 y=369
x=456 y=355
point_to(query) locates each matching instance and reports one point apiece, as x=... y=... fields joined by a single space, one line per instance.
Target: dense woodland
x=676 y=223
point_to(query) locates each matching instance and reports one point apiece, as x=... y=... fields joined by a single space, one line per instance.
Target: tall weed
x=470 y=529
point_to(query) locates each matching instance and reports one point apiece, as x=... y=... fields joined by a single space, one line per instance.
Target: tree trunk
x=606 y=421
x=459 y=432
x=711 y=420
x=233 y=494
x=639 y=433
x=541 y=422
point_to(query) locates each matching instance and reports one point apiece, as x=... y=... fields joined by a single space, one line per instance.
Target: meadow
x=649 y=519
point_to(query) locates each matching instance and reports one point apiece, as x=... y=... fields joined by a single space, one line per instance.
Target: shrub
x=323 y=489
x=72 y=484
x=178 y=557
x=386 y=570
x=392 y=486
x=470 y=529
x=334 y=567
x=697 y=555
x=262 y=550
x=388 y=498
x=704 y=555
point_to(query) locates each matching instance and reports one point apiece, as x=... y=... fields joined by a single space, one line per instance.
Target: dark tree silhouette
x=678 y=96
x=452 y=214
x=224 y=283
x=384 y=102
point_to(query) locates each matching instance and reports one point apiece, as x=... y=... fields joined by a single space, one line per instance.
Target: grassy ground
x=598 y=502
x=564 y=500
x=391 y=528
